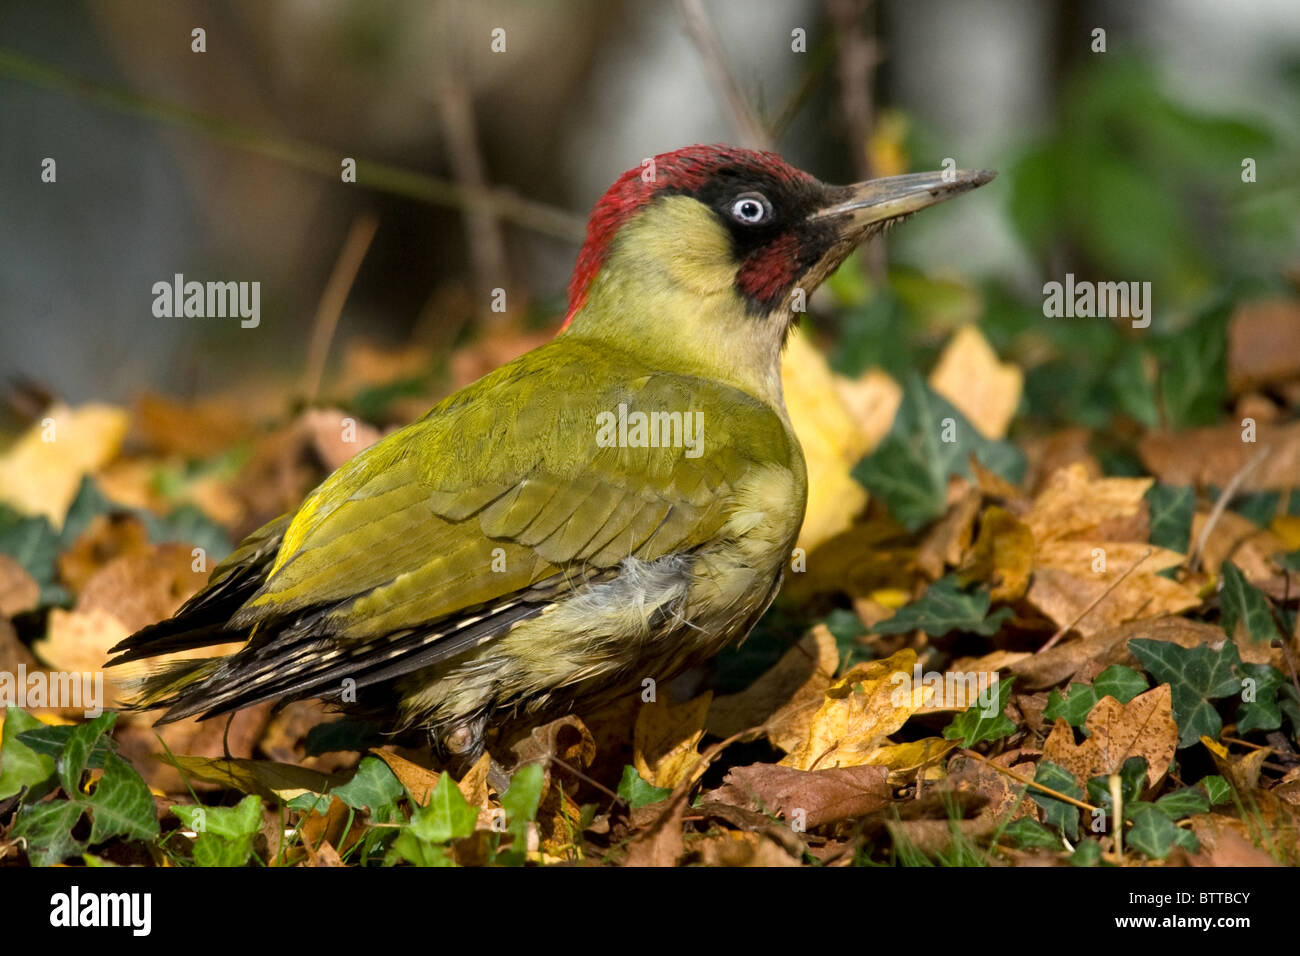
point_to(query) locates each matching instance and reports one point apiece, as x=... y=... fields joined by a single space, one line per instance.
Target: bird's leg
x=464 y=745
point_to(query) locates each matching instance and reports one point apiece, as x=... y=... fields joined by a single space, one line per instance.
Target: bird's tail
x=161 y=684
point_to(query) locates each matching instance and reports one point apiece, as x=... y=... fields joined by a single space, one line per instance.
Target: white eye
x=751 y=209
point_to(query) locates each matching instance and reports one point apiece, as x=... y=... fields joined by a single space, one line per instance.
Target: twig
x=487 y=252
x=384 y=177
x=332 y=299
x=699 y=28
x=1225 y=497
x=1052 y=641
x=1031 y=783
x=582 y=776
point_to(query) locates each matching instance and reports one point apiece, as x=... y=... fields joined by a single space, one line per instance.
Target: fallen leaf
x=794 y=682
x=41 y=472
x=1003 y=554
x=1072 y=503
x=858 y=712
x=815 y=797
x=984 y=389
x=1263 y=344
x=665 y=738
x=1144 y=727
x=1214 y=456
x=19 y=591
x=740 y=848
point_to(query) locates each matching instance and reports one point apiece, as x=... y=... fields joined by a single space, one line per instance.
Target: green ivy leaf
x=374 y=788
x=1216 y=788
x=1122 y=683
x=1196 y=676
x=1132 y=780
x=1154 y=834
x=945 y=607
x=973 y=726
x=637 y=792
x=1064 y=816
x=224 y=834
x=1186 y=802
x=1171 y=509
x=1028 y=834
x=929 y=442
x=1243 y=602
x=1087 y=853
x=20 y=765
x=447 y=816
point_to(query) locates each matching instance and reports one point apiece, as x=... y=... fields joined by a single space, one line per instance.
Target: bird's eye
x=751 y=209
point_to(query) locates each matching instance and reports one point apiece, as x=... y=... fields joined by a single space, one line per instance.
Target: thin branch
x=1225 y=497
x=1052 y=641
x=539 y=217
x=699 y=28
x=332 y=300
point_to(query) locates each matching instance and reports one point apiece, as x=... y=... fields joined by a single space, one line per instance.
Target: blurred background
x=476 y=168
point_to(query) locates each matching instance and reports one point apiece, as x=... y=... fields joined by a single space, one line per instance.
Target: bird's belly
x=656 y=618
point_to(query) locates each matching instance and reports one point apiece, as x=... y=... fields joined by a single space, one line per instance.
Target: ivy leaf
x=47 y=828
x=1245 y=603
x=520 y=802
x=33 y=543
x=945 y=607
x=1064 y=816
x=1154 y=834
x=929 y=442
x=1183 y=803
x=637 y=792
x=1122 y=683
x=974 y=725
x=374 y=788
x=20 y=765
x=447 y=816
x=1216 y=788
x=1271 y=695
x=1171 y=509
x=1087 y=853
x=1132 y=779
x=225 y=834
x=1196 y=676
x=1027 y=834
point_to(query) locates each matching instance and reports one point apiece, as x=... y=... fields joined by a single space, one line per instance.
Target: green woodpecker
x=608 y=509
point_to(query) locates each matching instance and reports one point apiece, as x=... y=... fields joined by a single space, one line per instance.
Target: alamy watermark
x=1086 y=300
x=208 y=300
x=952 y=689
x=624 y=429
x=70 y=690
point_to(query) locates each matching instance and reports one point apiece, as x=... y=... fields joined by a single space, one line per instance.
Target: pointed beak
x=857 y=207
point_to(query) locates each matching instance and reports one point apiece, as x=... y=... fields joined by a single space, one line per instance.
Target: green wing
x=481 y=511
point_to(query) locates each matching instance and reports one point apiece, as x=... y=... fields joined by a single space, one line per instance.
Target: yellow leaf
x=799 y=678
x=266 y=778
x=1003 y=554
x=904 y=760
x=664 y=740
x=40 y=474
x=979 y=386
x=858 y=712
x=1072 y=502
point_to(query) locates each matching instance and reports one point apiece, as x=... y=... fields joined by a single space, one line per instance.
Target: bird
x=611 y=508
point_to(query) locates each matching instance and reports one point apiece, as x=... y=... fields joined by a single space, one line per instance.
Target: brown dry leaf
x=1241 y=771
x=1096 y=651
x=197 y=429
x=796 y=681
x=831 y=439
x=41 y=471
x=1005 y=796
x=106 y=537
x=19 y=591
x=1057 y=450
x=475 y=789
x=933 y=837
x=984 y=389
x=335 y=435
x=1003 y=553
x=661 y=843
x=418 y=780
x=323 y=855
x=665 y=738
x=1144 y=727
x=145 y=586
x=1072 y=503
x=1223 y=846
x=740 y=848
x=948 y=540
x=904 y=760
x=823 y=796
x=1062 y=597
x=566 y=737
x=1237 y=539
x=1264 y=344
x=1214 y=456
x=858 y=712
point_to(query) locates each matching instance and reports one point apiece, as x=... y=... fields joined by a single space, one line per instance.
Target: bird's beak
x=856 y=208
